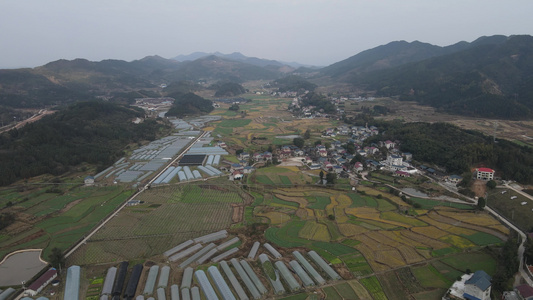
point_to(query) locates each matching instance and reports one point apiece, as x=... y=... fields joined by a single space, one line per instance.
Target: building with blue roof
x=478 y=286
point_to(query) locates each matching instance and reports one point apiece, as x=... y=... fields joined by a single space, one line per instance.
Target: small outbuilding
x=41 y=282
x=89 y=180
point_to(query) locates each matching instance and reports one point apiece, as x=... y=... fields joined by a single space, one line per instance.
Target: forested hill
x=493 y=80
x=86 y=132
x=458 y=150
x=396 y=54
x=189 y=104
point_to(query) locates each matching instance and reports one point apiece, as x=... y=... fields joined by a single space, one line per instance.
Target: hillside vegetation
x=489 y=80
x=87 y=132
x=189 y=105
x=459 y=150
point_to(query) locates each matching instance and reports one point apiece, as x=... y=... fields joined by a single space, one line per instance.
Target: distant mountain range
x=489 y=77
x=236 y=56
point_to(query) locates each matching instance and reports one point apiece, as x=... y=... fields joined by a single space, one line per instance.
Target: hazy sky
x=317 y=32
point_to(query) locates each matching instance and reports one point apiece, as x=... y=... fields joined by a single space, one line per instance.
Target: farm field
x=58 y=219
x=376 y=237
x=168 y=216
x=512 y=209
x=382 y=247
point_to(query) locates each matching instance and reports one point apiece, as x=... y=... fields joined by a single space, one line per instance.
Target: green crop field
x=234 y=123
x=285 y=180
x=318 y=202
x=429 y=277
x=429 y=204
x=345 y=291
x=449 y=272
x=512 y=209
x=473 y=261
x=374 y=287
x=483 y=239
x=335 y=249
x=67 y=217
x=359 y=200
x=392 y=287
x=331 y=293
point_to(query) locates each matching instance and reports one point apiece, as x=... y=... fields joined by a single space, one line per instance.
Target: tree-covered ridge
x=92 y=132
x=490 y=80
x=320 y=102
x=459 y=150
x=228 y=89
x=189 y=104
x=293 y=83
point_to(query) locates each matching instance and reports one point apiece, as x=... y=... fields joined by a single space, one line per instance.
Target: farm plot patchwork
x=152 y=228
x=67 y=219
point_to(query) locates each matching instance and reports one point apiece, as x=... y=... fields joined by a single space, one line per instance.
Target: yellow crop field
x=390 y=257
x=481 y=219
x=428 y=242
x=310 y=213
x=382 y=239
x=331 y=206
x=371 y=243
x=210 y=128
x=319 y=213
x=315 y=231
x=344 y=201
x=396 y=217
x=410 y=255
x=301 y=213
x=351 y=229
x=359 y=211
x=430 y=231
x=374 y=192
x=457 y=241
x=254 y=125
x=372 y=214
x=302 y=201
x=460 y=230
x=440 y=225
x=501 y=228
x=369 y=254
x=398 y=237
x=275 y=217
x=292 y=192
x=292 y=168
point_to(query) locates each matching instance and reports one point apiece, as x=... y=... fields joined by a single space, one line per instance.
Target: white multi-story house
x=484 y=174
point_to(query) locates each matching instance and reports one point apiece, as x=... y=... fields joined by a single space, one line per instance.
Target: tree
x=307 y=134
x=321 y=176
x=491 y=184
x=331 y=178
x=350 y=148
x=57 y=258
x=481 y=202
x=234 y=107
x=318 y=142
x=298 y=142
x=327 y=145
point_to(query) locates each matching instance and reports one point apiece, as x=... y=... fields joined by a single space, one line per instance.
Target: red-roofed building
x=484 y=174
x=525 y=291
x=41 y=282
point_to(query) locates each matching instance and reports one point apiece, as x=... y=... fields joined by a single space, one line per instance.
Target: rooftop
x=480 y=279
x=485 y=170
